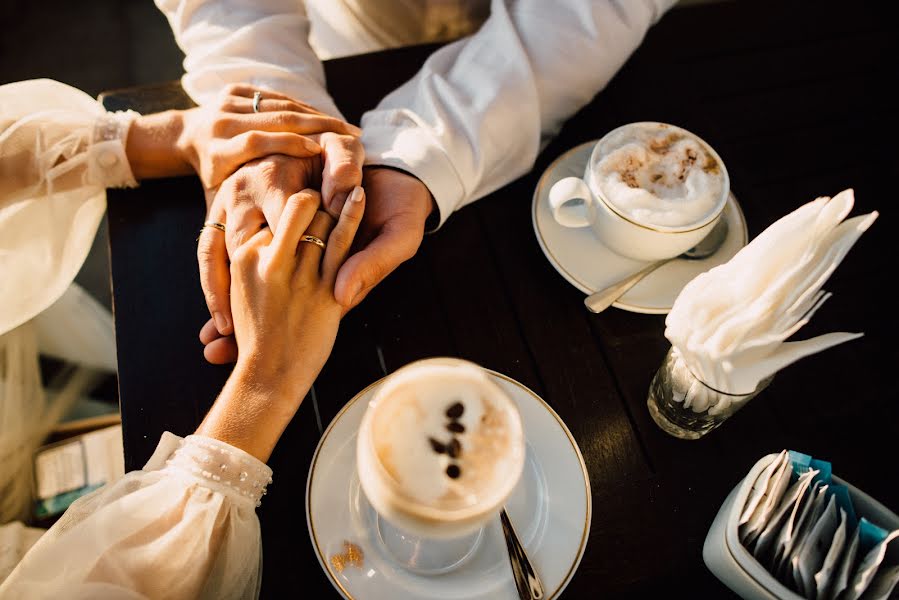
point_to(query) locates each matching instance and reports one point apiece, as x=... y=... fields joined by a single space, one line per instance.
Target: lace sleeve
x=59 y=151
x=183 y=527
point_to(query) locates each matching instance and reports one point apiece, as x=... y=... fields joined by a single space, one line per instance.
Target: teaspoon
x=600 y=300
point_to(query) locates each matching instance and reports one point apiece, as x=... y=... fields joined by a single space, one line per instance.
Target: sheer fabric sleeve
x=183 y=527
x=59 y=151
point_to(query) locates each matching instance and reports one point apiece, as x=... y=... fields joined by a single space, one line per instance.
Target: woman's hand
x=285 y=319
x=216 y=140
x=213 y=141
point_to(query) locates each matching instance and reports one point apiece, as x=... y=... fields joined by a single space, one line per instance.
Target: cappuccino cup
x=439 y=451
x=650 y=191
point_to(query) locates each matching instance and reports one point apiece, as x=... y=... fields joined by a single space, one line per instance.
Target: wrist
x=416 y=186
x=252 y=411
x=153 y=146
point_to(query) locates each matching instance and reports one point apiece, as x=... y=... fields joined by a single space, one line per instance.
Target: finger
x=215 y=278
x=342 y=172
x=243 y=224
x=288 y=121
x=221 y=351
x=341 y=239
x=374 y=262
x=309 y=254
x=208 y=332
x=229 y=155
x=251 y=145
x=247 y=90
x=299 y=211
x=268 y=103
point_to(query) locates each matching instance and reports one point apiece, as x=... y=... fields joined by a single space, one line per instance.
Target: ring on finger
x=214 y=225
x=313 y=240
x=257 y=98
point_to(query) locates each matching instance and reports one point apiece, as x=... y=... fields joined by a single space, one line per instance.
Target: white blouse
x=183 y=527
x=59 y=151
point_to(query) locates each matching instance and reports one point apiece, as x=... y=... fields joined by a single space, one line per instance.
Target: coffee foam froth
x=412 y=419
x=659 y=175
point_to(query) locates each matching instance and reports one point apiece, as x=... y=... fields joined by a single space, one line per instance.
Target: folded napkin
x=729 y=325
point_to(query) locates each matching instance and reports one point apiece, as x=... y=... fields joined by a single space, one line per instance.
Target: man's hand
x=392 y=229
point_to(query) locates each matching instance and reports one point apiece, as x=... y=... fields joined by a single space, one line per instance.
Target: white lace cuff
x=219 y=467
x=107 y=161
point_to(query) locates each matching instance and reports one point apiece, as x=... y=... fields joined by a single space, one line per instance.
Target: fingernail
x=221 y=322
x=357 y=291
x=311 y=145
x=356 y=195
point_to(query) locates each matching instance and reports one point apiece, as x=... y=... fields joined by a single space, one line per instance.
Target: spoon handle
x=600 y=300
x=526 y=580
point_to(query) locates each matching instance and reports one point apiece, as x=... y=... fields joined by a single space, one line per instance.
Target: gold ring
x=219 y=226
x=257 y=97
x=313 y=240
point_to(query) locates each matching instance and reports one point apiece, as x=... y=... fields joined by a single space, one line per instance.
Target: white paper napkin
x=731 y=324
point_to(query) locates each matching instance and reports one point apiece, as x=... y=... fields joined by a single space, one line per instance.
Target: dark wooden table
x=794 y=97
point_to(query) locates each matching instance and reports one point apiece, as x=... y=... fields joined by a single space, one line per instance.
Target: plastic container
x=733 y=564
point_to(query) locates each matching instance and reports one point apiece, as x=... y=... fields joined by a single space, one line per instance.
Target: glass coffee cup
x=650 y=191
x=439 y=451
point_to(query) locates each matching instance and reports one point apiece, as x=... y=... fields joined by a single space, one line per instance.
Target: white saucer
x=550 y=509
x=581 y=258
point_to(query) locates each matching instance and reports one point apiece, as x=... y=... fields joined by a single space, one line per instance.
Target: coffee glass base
x=426 y=556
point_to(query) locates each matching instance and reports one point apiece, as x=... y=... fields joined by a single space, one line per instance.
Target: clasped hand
x=289 y=147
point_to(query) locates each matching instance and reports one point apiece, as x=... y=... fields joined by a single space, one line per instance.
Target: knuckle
x=254 y=139
x=243 y=255
x=222 y=125
x=233 y=88
x=347 y=171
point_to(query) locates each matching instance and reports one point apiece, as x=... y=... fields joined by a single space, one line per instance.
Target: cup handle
x=564 y=191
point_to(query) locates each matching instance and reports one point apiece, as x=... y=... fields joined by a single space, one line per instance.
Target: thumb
x=368 y=267
x=342 y=170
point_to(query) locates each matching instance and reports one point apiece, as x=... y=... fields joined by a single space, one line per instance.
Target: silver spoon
x=600 y=300
x=526 y=579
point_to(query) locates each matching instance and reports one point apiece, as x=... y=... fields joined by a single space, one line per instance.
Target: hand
x=256 y=196
x=217 y=139
x=391 y=232
x=285 y=319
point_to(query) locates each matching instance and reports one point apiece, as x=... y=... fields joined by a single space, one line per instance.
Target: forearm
x=155 y=147
x=253 y=410
x=479 y=111
x=260 y=42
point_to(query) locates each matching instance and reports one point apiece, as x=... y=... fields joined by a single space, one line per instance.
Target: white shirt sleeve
x=259 y=42
x=478 y=112
x=183 y=527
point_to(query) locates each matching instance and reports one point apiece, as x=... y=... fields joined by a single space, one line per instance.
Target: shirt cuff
x=393 y=139
x=108 y=164
x=213 y=464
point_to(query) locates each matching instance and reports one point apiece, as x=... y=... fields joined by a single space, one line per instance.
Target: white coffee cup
x=429 y=518
x=617 y=227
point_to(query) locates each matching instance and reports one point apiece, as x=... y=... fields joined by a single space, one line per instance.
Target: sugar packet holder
x=737 y=568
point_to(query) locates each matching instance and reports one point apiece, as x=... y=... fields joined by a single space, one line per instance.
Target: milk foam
x=659 y=175
x=413 y=417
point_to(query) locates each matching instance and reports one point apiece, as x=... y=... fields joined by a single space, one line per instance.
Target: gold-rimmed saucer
x=582 y=259
x=553 y=527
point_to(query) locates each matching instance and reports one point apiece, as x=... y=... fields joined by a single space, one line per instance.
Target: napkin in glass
x=730 y=324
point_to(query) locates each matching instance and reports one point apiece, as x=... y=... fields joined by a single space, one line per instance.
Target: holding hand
x=285 y=318
x=391 y=232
